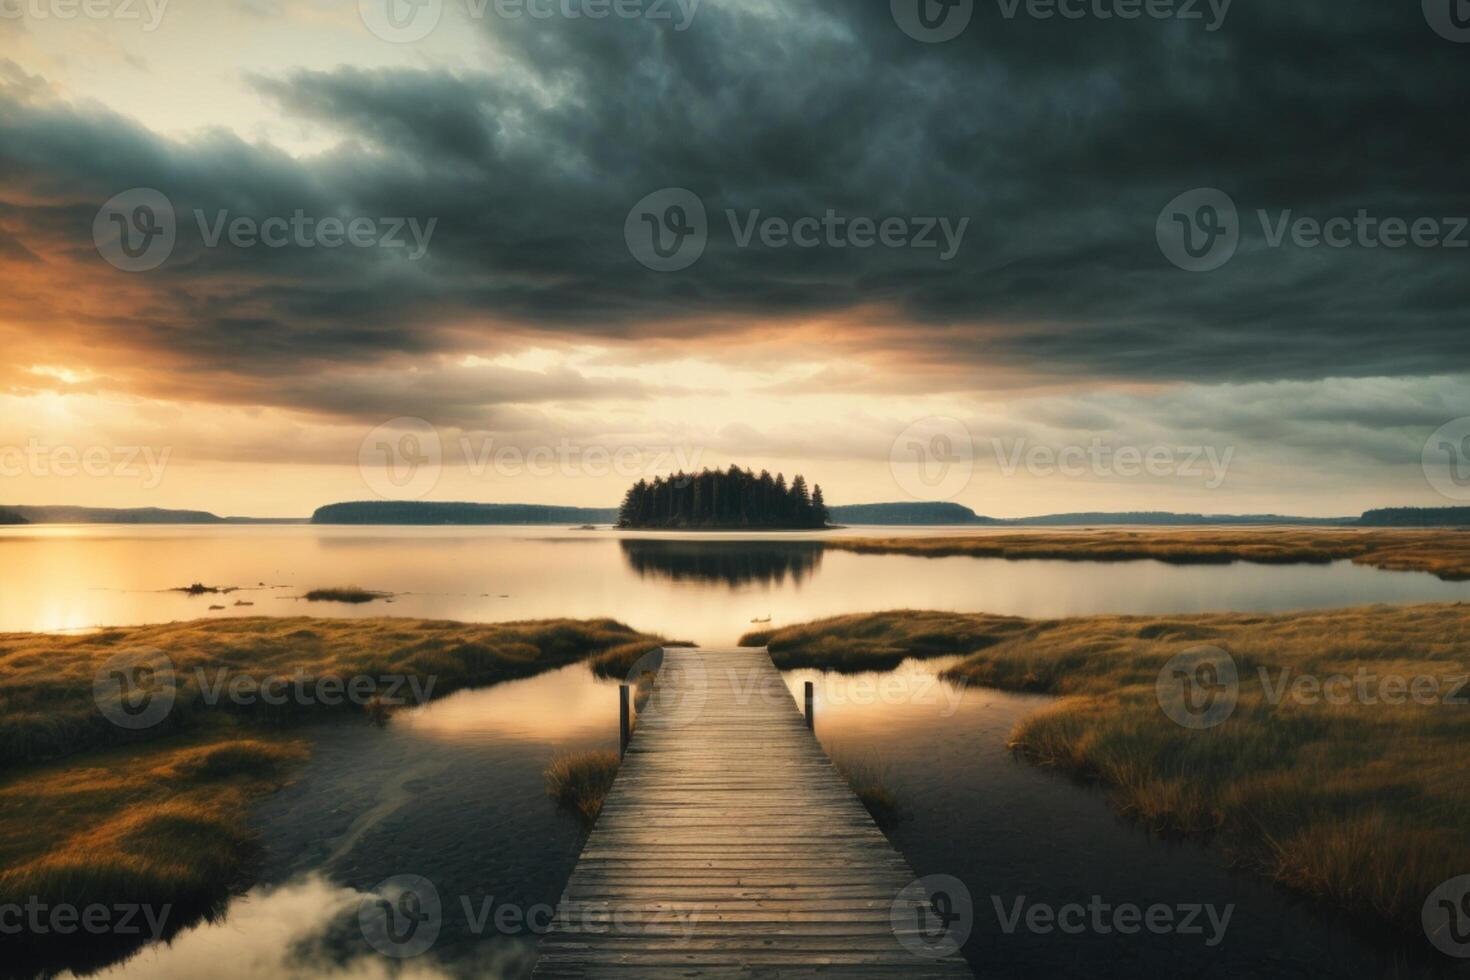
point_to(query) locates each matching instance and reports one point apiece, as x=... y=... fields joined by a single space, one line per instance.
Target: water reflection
x=306 y=929
x=704 y=588
x=1013 y=832
x=734 y=563
x=453 y=792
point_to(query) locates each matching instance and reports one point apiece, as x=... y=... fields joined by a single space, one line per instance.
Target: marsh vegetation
x=1445 y=553
x=1357 y=797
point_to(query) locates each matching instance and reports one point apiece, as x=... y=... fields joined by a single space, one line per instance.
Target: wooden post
x=811 y=700
x=624 y=731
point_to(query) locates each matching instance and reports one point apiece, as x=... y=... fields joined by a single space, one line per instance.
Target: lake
x=453 y=791
x=705 y=589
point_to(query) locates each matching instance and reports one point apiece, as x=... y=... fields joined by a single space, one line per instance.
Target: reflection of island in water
x=731 y=562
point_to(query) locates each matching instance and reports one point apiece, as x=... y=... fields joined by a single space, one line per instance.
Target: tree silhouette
x=730 y=498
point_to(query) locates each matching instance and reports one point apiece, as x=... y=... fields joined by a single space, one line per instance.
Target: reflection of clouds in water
x=305 y=929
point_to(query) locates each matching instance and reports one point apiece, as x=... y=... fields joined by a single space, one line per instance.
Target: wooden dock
x=730 y=847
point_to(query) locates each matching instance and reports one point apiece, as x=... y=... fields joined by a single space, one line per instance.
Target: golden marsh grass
x=1363 y=805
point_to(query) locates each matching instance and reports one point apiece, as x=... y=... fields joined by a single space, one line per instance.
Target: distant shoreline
x=385 y=513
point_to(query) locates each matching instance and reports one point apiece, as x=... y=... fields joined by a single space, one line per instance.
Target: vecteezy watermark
x=148 y=12
x=401 y=21
x=833 y=230
x=137 y=689
x=1200 y=230
x=1199 y=687
x=669 y=230
x=404 y=458
x=1449 y=18
x=1446 y=917
x=1206 y=463
x=403 y=916
x=1446 y=459
x=1363 y=686
x=401 y=459
x=146 y=463
x=936 y=21
x=137 y=231
x=925 y=690
x=36 y=917
x=301 y=230
x=932 y=21
x=1103 y=918
x=406 y=21
x=680 y=13
x=932 y=917
x=933 y=459
x=680 y=689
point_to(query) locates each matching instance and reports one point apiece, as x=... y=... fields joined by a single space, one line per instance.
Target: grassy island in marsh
x=92 y=812
x=1441 y=552
x=1360 y=801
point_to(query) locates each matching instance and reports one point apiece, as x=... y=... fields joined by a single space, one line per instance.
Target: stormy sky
x=881 y=239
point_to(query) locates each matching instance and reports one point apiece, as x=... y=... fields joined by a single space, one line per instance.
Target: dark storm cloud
x=1061 y=141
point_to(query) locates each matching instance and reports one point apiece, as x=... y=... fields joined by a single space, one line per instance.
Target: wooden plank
x=729 y=847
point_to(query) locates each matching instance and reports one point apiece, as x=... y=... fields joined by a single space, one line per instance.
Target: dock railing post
x=811 y=700
x=624 y=730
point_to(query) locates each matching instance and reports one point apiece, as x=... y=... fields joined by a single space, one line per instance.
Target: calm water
x=453 y=793
x=706 y=590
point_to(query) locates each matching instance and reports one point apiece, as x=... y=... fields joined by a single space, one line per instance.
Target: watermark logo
x=1446 y=917
x=401 y=459
x=1449 y=18
x=932 y=21
x=1199 y=230
x=1363 y=687
x=668 y=230
x=1207 y=464
x=135 y=689
x=933 y=459
x=69 y=10
x=402 y=917
x=933 y=916
x=302 y=230
x=135 y=231
x=837 y=231
x=145 y=463
x=1103 y=918
x=40 y=918
x=1446 y=460
x=1199 y=688
x=680 y=686
x=401 y=21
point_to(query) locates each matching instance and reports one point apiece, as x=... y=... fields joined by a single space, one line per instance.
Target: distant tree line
x=730 y=498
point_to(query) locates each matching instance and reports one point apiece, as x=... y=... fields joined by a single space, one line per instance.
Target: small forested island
x=724 y=499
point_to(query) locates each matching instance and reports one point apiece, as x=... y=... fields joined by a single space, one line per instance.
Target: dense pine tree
x=728 y=498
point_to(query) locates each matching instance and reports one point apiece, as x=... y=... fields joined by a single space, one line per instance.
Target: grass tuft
x=870 y=783
x=580 y=781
